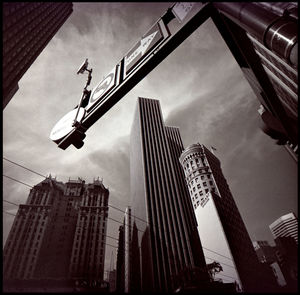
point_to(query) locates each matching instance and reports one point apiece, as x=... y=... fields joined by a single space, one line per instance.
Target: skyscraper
x=59 y=233
x=170 y=245
x=27 y=29
x=285 y=226
x=263 y=38
x=220 y=225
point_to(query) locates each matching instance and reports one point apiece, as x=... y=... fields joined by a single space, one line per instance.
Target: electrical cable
x=17 y=180
x=10 y=202
x=122 y=223
x=217 y=253
x=24 y=167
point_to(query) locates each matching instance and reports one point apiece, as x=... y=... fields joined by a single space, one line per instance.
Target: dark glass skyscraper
x=169 y=240
x=27 y=29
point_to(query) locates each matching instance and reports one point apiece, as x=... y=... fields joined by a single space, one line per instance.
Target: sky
x=201 y=90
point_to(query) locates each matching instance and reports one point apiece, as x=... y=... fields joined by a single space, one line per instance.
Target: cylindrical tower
x=222 y=231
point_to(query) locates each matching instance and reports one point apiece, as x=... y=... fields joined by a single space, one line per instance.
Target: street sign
x=106 y=85
x=142 y=47
x=181 y=9
x=64 y=126
x=138 y=62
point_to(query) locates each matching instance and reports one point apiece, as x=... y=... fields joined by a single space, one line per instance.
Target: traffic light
x=273 y=127
x=77 y=139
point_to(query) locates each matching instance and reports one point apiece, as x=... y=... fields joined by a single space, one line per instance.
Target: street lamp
x=85 y=93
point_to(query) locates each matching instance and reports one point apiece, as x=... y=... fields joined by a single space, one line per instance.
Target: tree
x=213 y=268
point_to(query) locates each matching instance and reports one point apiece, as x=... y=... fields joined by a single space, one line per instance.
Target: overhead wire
x=17 y=180
x=24 y=167
x=114 y=207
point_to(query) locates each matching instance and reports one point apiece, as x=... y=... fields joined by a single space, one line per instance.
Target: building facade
x=263 y=38
x=59 y=233
x=167 y=229
x=120 y=271
x=285 y=226
x=267 y=256
x=287 y=256
x=221 y=229
x=127 y=246
x=27 y=29
x=264 y=251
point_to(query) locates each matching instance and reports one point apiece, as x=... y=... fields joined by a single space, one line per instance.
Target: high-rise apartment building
x=263 y=38
x=59 y=233
x=220 y=225
x=285 y=226
x=27 y=29
x=167 y=229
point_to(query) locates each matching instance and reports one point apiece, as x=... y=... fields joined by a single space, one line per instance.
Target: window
x=202 y=177
x=204 y=183
x=198 y=186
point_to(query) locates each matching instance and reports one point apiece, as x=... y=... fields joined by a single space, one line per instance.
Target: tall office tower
x=285 y=226
x=263 y=38
x=88 y=254
x=59 y=233
x=27 y=29
x=220 y=225
x=170 y=245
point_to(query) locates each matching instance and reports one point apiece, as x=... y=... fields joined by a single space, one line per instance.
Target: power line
x=24 y=167
x=9 y=213
x=46 y=177
x=216 y=253
x=118 y=239
x=17 y=180
x=128 y=213
x=108 y=205
x=10 y=202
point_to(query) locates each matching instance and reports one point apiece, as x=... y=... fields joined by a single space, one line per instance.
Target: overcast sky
x=201 y=90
